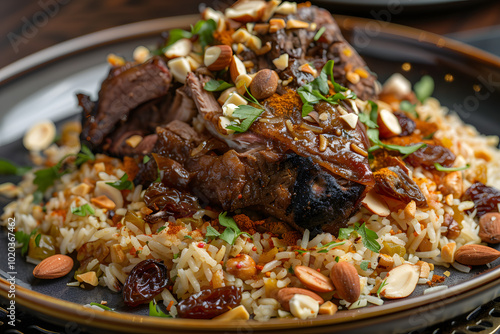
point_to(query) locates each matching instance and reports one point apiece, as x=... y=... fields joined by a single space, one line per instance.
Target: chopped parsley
x=161 y=229
x=245 y=115
x=24 y=239
x=424 y=88
x=364 y=265
x=217 y=85
x=441 y=168
x=212 y=232
x=83 y=210
x=9 y=168
x=315 y=91
x=203 y=29
x=370 y=120
x=381 y=287
x=368 y=237
x=146 y=159
x=232 y=231
x=373 y=134
x=188 y=237
x=330 y=245
x=122 y=184
x=319 y=33
x=154 y=310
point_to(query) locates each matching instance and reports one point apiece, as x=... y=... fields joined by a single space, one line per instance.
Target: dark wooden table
x=28 y=26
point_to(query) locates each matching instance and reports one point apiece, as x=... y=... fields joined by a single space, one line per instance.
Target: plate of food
x=268 y=169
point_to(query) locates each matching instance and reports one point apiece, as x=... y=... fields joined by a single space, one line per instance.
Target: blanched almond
x=236 y=68
x=40 y=136
x=425 y=269
x=388 y=124
x=180 y=68
x=313 y=279
x=225 y=95
x=287 y=8
x=376 y=204
x=241 y=36
x=218 y=57
x=246 y=11
x=133 y=141
x=54 y=266
x=401 y=281
x=243 y=83
x=270 y=9
x=303 y=306
x=281 y=62
x=181 y=48
x=346 y=281
x=254 y=43
x=351 y=119
x=296 y=24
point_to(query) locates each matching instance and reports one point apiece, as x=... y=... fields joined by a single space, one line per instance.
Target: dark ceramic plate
x=43 y=86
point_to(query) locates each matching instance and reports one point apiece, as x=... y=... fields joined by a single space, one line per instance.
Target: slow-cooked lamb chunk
x=124 y=89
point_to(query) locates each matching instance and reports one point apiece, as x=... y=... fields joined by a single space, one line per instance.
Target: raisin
x=407 y=124
x=427 y=156
x=485 y=198
x=146 y=280
x=395 y=183
x=453 y=228
x=209 y=303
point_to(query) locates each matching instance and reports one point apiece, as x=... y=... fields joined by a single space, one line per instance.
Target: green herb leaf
x=337 y=259
x=83 y=210
x=188 y=237
x=212 y=232
x=175 y=35
x=84 y=155
x=154 y=310
x=161 y=229
x=373 y=134
x=38 y=197
x=229 y=236
x=217 y=85
x=409 y=108
x=37 y=239
x=205 y=30
x=373 y=112
x=24 y=239
x=441 y=168
x=45 y=178
x=381 y=287
x=176 y=255
x=364 y=265
x=369 y=238
x=291 y=271
x=345 y=233
x=122 y=184
x=365 y=119
x=326 y=248
x=302 y=251
x=319 y=33
x=9 y=168
x=146 y=159
x=247 y=115
x=104 y=307
x=424 y=88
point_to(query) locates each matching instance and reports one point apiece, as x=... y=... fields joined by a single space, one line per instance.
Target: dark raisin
x=395 y=183
x=453 y=228
x=209 y=303
x=427 y=156
x=146 y=280
x=485 y=198
x=407 y=124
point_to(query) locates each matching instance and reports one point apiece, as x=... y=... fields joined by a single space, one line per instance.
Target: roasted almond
x=264 y=84
x=246 y=11
x=284 y=295
x=218 y=57
x=346 y=280
x=375 y=204
x=401 y=281
x=54 y=266
x=236 y=68
x=388 y=124
x=448 y=252
x=490 y=227
x=313 y=279
x=476 y=255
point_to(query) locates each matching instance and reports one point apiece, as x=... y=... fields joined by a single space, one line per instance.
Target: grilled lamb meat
x=124 y=89
x=287 y=186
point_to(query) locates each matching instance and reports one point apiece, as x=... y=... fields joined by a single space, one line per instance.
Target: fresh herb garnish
x=370 y=120
x=247 y=115
x=337 y=259
x=217 y=85
x=154 y=310
x=37 y=239
x=45 y=178
x=9 y=168
x=329 y=246
x=429 y=136
x=146 y=159
x=319 y=33
x=104 y=307
x=188 y=237
x=176 y=255
x=368 y=237
x=203 y=29
x=424 y=88
x=441 y=168
x=232 y=231
x=122 y=184
x=409 y=108
x=24 y=239
x=302 y=251
x=373 y=134
x=316 y=90
x=160 y=229
x=291 y=271
x=381 y=287
x=364 y=265
x=83 y=210
x=212 y=232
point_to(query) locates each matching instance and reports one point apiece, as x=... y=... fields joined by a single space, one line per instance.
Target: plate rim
x=55 y=307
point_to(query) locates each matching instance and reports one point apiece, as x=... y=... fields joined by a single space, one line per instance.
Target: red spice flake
x=438 y=279
x=119 y=225
x=237 y=255
x=201 y=245
x=318 y=270
x=254 y=248
x=392 y=232
x=239 y=265
x=415 y=233
x=133 y=251
x=240 y=196
x=268 y=274
x=170 y=305
x=259 y=267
